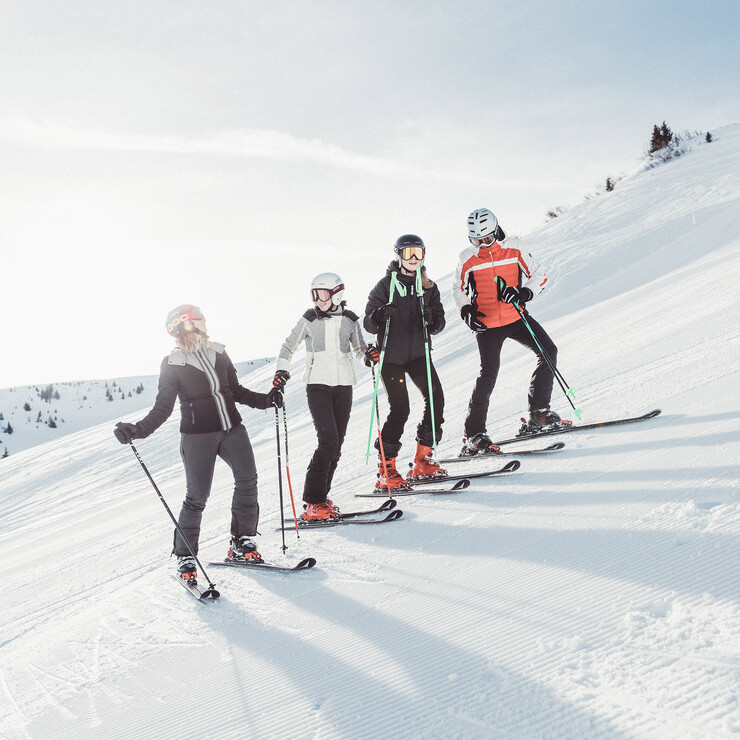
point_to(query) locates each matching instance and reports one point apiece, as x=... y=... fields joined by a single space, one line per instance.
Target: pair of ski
x=210 y=594
x=546 y=433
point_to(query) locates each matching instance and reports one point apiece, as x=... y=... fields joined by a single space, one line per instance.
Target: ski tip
x=652 y=414
x=395 y=514
x=461 y=485
x=556 y=446
x=388 y=504
x=510 y=467
x=305 y=564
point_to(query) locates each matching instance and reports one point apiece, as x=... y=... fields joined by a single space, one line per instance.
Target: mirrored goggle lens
x=321 y=294
x=485 y=241
x=408 y=252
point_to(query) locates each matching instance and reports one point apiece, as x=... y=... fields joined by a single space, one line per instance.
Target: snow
x=593 y=593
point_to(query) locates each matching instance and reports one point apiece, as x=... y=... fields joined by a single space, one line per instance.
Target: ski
x=510 y=467
x=460 y=485
x=510 y=453
x=251 y=565
x=385 y=506
x=323 y=523
x=580 y=427
x=202 y=594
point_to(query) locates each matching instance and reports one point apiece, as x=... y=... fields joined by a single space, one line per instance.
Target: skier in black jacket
x=405 y=354
x=201 y=374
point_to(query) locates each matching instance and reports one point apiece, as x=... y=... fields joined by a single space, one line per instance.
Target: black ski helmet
x=408 y=241
x=180 y=319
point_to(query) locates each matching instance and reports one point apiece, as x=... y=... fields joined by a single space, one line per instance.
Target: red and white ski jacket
x=476 y=273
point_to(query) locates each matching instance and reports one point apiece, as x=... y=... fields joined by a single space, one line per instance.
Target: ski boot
x=389 y=477
x=186 y=569
x=243 y=549
x=477 y=444
x=423 y=467
x=320 y=511
x=542 y=420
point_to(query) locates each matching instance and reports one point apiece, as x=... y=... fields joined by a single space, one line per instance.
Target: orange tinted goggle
x=408 y=252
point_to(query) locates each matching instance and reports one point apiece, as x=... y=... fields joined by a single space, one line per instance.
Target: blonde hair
x=190 y=341
x=426 y=282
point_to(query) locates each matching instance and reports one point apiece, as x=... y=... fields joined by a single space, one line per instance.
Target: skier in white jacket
x=332 y=334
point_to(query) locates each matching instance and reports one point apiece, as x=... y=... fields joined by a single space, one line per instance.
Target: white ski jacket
x=330 y=339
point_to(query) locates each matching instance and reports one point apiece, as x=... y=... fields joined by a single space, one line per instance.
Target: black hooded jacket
x=406 y=332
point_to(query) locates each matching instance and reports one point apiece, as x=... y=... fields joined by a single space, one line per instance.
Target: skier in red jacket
x=493 y=273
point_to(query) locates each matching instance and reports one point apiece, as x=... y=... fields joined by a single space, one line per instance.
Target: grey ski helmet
x=481 y=224
x=331 y=287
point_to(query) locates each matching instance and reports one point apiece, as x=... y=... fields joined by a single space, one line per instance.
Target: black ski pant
x=489 y=345
x=199 y=453
x=330 y=406
x=394 y=381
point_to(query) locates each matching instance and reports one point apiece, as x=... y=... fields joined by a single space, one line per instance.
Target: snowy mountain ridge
x=593 y=593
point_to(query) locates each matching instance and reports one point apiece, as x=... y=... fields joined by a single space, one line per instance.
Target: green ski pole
x=420 y=293
x=570 y=394
x=380 y=368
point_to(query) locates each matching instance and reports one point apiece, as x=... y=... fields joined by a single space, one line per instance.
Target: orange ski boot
x=321 y=511
x=424 y=467
x=388 y=476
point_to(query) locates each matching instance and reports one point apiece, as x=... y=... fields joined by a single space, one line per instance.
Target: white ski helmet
x=332 y=284
x=482 y=223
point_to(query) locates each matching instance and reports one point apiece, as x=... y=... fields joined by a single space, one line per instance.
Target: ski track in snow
x=593 y=593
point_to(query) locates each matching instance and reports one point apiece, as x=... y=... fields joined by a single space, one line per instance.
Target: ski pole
x=287 y=466
x=210 y=592
x=420 y=292
x=380 y=439
x=380 y=368
x=280 y=477
x=568 y=391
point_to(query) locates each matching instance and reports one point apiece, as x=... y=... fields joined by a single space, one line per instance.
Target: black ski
x=510 y=453
x=580 y=427
x=252 y=565
x=203 y=594
x=510 y=467
x=460 y=485
x=323 y=523
x=385 y=506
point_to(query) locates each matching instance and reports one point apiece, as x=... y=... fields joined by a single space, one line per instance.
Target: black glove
x=274 y=398
x=433 y=321
x=512 y=294
x=280 y=379
x=125 y=433
x=471 y=316
x=382 y=314
x=372 y=356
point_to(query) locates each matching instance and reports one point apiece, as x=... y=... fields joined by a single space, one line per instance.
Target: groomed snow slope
x=594 y=593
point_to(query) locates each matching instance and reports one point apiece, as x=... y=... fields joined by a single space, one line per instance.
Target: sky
x=222 y=154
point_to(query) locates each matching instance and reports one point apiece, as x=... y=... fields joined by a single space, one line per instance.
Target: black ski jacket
x=406 y=332
x=207 y=386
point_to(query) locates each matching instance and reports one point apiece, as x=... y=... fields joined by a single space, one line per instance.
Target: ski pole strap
x=420 y=293
x=380 y=368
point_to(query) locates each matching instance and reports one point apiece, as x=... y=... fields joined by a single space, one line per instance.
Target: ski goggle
x=408 y=252
x=484 y=241
x=326 y=294
x=193 y=315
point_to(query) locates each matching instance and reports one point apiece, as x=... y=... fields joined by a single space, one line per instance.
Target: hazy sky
x=223 y=153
